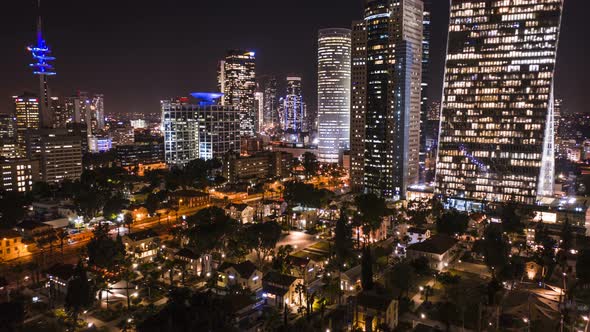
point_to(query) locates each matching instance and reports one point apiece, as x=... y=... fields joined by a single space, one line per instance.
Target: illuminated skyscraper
x=43 y=68
x=496 y=139
x=386 y=84
x=26 y=112
x=333 y=93
x=237 y=81
x=293 y=107
x=271 y=103
x=259 y=103
x=424 y=125
x=205 y=130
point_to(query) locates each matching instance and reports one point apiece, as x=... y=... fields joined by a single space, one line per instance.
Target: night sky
x=138 y=52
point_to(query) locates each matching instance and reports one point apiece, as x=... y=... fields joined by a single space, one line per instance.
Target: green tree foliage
x=113 y=206
x=421 y=266
x=279 y=261
x=371 y=209
x=152 y=203
x=342 y=238
x=511 y=220
x=12 y=208
x=12 y=315
x=79 y=293
x=104 y=252
x=494 y=247
x=401 y=277
x=310 y=163
x=307 y=195
x=452 y=222
x=263 y=238
x=367 y=269
x=583 y=267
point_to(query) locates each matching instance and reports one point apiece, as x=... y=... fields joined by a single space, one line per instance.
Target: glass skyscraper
x=496 y=138
x=386 y=90
x=334 y=47
x=237 y=81
x=293 y=107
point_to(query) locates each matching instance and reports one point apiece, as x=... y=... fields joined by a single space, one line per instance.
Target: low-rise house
x=373 y=311
x=350 y=280
x=35 y=230
x=303 y=267
x=280 y=289
x=11 y=245
x=197 y=265
x=417 y=234
x=269 y=207
x=240 y=212
x=143 y=244
x=58 y=276
x=189 y=198
x=438 y=249
x=244 y=274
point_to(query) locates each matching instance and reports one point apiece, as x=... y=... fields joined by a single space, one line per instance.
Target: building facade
x=262 y=165
x=19 y=174
x=496 y=138
x=26 y=112
x=334 y=47
x=386 y=92
x=237 y=82
x=59 y=154
x=271 y=103
x=205 y=130
x=292 y=107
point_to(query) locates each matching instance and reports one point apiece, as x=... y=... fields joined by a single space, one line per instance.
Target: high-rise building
x=386 y=89
x=43 y=68
x=334 y=46
x=292 y=106
x=19 y=174
x=259 y=104
x=59 y=154
x=237 y=82
x=271 y=103
x=424 y=125
x=496 y=139
x=7 y=126
x=97 y=112
x=204 y=130
x=26 y=111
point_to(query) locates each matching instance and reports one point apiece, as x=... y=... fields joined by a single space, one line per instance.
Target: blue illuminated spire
x=41 y=53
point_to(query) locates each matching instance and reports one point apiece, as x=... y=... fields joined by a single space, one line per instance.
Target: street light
x=423 y=316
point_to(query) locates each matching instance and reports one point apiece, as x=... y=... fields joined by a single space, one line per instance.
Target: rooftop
x=245 y=269
x=142 y=235
x=9 y=234
x=279 y=279
x=437 y=244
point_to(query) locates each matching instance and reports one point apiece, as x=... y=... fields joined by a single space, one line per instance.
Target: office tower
x=99 y=143
x=26 y=112
x=7 y=126
x=9 y=149
x=19 y=174
x=424 y=125
x=271 y=103
x=293 y=107
x=97 y=112
x=122 y=134
x=496 y=139
x=557 y=114
x=237 y=82
x=358 y=105
x=58 y=109
x=205 y=130
x=259 y=105
x=386 y=84
x=59 y=154
x=333 y=93
x=148 y=154
x=43 y=68
x=262 y=165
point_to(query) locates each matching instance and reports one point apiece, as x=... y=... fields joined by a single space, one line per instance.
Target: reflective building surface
x=496 y=139
x=334 y=46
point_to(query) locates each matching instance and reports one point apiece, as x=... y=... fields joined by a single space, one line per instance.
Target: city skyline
x=87 y=60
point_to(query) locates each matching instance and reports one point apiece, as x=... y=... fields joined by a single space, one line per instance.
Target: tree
x=421 y=266
x=279 y=262
x=401 y=277
x=263 y=238
x=583 y=267
x=152 y=203
x=310 y=163
x=79 y=293
x=103 y=252
x=12 y=315
x=128 y=221
x=342 y=238
x=495 y=248
x=12 y=209
x=511 y=221
x=367 y=269
x=452 y=222
x=113 y=207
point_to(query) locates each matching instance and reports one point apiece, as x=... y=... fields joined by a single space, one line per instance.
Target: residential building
x=146 y=155
x=424 y=105
x=244 y=275
x=237 y=82
x=59 y=153
x=373 y=310
x=271 y=103
x=386 y=97
x=196 y=265
x=243 y=213
x=497 y=122
x=11 y=245
x=143 y=244
x=262 y=165
x=280 y=289
x=7 y=126
x=417 y=234
x=438 y=249
x=19 y=174
x=334 y=47
x=186 y=199
x=292 y=107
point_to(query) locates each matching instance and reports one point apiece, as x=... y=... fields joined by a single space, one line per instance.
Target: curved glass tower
x=334 y=48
